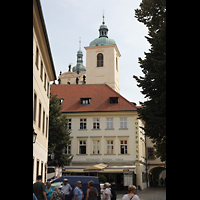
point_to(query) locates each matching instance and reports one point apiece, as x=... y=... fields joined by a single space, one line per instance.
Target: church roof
x=102 y=41
x=100 y=95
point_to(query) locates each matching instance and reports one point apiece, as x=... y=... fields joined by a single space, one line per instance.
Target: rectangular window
x=48 y=89
x=83 y=123
x=42 y=169
x=69 y=124
x=85 y=101
x=45 y=80
x=47 y=121
x=110 y=146
x=96 y=123
x=68 y=149
x=123 y=122
x=114 y=100
x=151 y=153
x=43 y=121
x=82 y=147
x=109 y=123
x=37 y=57
x=39 y=119
x=123 y=147
x=41 y=71
x=96 y=147
x=37 y=171
x=35 y=106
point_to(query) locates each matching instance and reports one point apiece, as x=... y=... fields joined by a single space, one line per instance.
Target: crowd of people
x=62 y=192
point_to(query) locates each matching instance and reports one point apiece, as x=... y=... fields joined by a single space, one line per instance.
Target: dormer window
x=85 y=101
x=60 y=101
x=114 y=100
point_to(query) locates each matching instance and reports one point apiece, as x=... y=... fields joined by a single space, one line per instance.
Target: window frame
x=83 y=123
x=123 y=122
x=100 y=60
x=109 y=146
x=124 y=146
x=96 y=123
x=82 y=143
x=109 y=123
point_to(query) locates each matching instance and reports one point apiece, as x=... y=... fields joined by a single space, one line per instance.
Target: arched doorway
x=157 y=176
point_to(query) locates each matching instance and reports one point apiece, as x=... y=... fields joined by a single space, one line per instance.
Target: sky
x=68 y=20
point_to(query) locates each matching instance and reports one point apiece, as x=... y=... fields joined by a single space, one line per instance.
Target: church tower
x=102 y=60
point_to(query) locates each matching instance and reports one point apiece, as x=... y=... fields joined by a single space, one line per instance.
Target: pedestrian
x=39 y=189
x=107 y=193
x=92 y=192
x=132 y=194
x=161 y=182
x=66 y=188
x=57 y=194
x=49 y=190
x=78 y=193
x=114 y=196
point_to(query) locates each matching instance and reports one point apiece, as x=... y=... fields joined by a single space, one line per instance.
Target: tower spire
x=103 y=30
x=103 y=17
x=79 y=43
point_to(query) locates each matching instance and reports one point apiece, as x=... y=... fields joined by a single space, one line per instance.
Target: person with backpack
x=92 y=192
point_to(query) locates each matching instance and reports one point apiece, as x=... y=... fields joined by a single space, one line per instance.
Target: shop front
x=121 y=176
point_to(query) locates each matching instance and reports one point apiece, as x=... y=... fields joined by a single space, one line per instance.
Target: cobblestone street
x=153 y=193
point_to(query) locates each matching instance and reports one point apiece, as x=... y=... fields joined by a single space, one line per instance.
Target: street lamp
x=34 y=136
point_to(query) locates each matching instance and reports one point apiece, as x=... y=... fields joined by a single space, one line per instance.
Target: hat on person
x=78 y=182
x=65 y=179
x=107 y=184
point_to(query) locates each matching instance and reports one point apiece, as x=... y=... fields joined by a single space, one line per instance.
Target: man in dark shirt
x=39 y=189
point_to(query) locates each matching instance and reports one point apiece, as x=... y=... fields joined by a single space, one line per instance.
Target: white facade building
x=43 y=73
x=106 y=137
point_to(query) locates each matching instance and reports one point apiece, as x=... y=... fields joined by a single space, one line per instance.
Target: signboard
x=128 y=179
x=58 y=172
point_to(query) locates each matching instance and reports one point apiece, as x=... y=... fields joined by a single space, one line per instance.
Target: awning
x=96 y=167
x=102 y=168
x=73 y=170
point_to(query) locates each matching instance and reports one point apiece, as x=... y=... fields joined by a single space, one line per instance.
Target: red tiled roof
x=99 y=94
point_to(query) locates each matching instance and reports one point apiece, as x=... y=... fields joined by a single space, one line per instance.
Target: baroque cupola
x=79 y=68
x=103 y=36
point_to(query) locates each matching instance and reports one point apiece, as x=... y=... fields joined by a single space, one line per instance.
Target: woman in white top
x=107 y=193
x=132 y=194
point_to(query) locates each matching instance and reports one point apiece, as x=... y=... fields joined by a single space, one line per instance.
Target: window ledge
x=109 y=129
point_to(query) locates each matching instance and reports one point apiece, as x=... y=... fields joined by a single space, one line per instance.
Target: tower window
x=100 y=60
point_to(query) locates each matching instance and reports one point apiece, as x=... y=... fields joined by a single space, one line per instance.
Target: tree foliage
x=59 y=135
x=153 y=111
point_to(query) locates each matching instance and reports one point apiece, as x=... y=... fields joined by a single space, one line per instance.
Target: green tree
x=153 y=111
x=59 y=135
